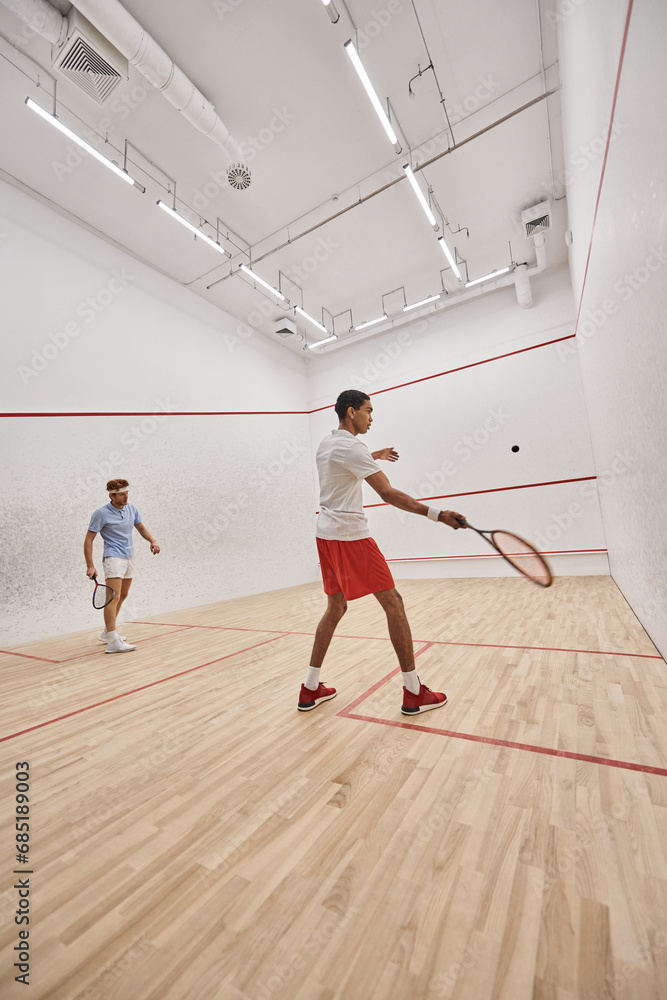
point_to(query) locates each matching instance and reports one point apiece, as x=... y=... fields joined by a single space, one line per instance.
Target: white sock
x=411 y=681
x=313 y=679
x=112 y=635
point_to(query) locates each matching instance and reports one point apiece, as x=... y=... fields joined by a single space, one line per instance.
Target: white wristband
x=433 y=514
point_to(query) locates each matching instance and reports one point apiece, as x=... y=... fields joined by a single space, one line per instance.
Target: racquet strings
x=102 y=595
x=523 y=556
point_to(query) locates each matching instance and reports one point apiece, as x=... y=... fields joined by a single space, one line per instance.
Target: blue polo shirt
x=115 y=526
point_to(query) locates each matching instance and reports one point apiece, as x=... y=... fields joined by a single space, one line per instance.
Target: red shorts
x=354 y=568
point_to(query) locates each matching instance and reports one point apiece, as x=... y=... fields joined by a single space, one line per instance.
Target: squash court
x=215 y=219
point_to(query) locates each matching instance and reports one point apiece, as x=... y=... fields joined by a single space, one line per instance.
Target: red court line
x=100 y=648
x=29 y=657
x=430 y=642
x=344 y=711
x=604 y=161
x=496 y=489
x=144 y=687
x=329 y=406
x=450 y=371
x=627 y=765
x=548 y=649
x=169 y=413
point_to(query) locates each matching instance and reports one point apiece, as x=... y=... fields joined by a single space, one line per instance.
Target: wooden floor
x=194 y=837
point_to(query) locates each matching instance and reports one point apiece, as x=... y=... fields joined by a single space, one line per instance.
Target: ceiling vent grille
x=90 y=60
x=538 y=226
x=536 y=219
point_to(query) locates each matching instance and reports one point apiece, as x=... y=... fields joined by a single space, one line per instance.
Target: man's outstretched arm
x=404 y=501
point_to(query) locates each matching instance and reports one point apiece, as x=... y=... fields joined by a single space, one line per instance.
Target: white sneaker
x=118 y=646
x=102 y=637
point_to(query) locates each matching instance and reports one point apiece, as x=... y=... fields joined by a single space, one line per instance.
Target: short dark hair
x=350 y=398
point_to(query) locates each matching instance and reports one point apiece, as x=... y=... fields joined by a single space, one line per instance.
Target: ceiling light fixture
x=80 y=142
x=302 y=312
x=488 y=277
x=368 y=87
x=193 y=229
x=423 y=302
x=371 y=322
x=420 y=195
x=331 y=11
x=448 y=255
x=319 y=343
x=256 y=277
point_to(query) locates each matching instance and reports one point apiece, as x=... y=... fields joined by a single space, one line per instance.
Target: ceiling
x=321 y=216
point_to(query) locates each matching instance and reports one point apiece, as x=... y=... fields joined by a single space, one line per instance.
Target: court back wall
x=505 y=377
x=85 y=329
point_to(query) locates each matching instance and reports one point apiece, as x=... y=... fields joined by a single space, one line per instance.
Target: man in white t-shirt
x=115 y=522
x=351 y=563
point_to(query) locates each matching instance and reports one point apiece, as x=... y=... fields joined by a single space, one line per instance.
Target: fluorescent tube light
x=368 y=87
x=448 y=255
x=420 y=195
x=331 y=11
x=193 y=229
x=488 y=277
x=80 y=142
x=371 y=322
x=319 y=343
x=423 y=302
x=256 y=277
x=310 y=319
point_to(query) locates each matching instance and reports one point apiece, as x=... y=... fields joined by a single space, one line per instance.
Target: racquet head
x=523 y=557
x=102 y=595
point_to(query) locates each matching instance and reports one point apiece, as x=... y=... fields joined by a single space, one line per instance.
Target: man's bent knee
x=337 y=605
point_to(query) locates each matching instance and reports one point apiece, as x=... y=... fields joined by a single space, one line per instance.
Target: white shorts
x=115 y=567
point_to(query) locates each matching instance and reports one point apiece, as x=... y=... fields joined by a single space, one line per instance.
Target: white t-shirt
x=343 y=462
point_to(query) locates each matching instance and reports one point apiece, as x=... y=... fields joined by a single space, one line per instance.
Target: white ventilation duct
x=536 y=221
x=524 y=296
x=141 y=50
x=42 y=17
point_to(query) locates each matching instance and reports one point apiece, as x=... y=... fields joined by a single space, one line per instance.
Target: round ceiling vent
x=238 y=175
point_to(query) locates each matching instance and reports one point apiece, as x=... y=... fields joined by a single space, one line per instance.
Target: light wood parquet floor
x=194 y=837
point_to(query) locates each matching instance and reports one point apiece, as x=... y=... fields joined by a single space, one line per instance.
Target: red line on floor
x=28 y=656
x=548 y=649
x=143 y=687
x=431 y=642
x=609 y=762
x=379 y=684
x=100 y=648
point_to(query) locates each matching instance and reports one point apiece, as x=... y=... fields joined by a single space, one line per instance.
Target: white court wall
x=455 y=432
x=621 y=342
x=86 y=328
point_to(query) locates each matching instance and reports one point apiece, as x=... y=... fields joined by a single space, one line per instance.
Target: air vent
x=284 y=328
x=536 y=219
x=90 y=60
x=538 y=226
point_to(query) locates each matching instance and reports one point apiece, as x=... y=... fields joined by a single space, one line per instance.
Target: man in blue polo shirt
x=115 y=522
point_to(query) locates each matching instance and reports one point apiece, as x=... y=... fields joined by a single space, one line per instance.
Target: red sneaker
x=413 y=704
x=308 y=700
